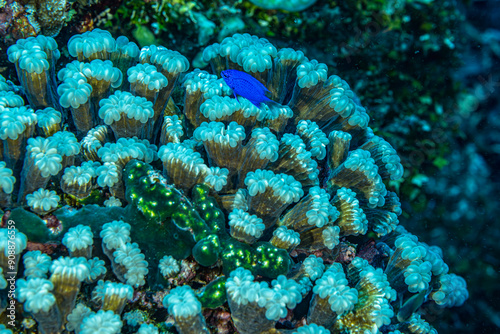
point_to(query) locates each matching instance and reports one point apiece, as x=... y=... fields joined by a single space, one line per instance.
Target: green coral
x=156 y=202
x=262 y=258
x=236 y=254
x=213 y=295
x=202 y=219
x=208 y=208
x=270 y=261
x=33 y=226
x=206 y=251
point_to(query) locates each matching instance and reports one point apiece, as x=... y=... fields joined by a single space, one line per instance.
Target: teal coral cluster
x=381 y=48
x=236 y=218
x=399 y=56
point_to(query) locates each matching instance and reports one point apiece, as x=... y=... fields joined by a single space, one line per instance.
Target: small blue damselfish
x=245 y=85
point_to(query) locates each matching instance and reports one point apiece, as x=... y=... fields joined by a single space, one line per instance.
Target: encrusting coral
x=269 y=219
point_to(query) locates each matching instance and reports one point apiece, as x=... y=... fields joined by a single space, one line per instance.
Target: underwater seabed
x=161 y=203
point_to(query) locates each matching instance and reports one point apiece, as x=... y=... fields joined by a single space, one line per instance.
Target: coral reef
x=30 y=18
x=221 y=215
x=400 y=57
x=22 y=19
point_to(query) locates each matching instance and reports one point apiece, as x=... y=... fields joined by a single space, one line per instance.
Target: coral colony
x=143 y=198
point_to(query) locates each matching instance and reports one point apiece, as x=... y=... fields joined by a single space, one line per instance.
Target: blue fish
x=245 y=85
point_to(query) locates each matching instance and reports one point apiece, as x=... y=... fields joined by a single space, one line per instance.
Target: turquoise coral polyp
x=196 y=205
